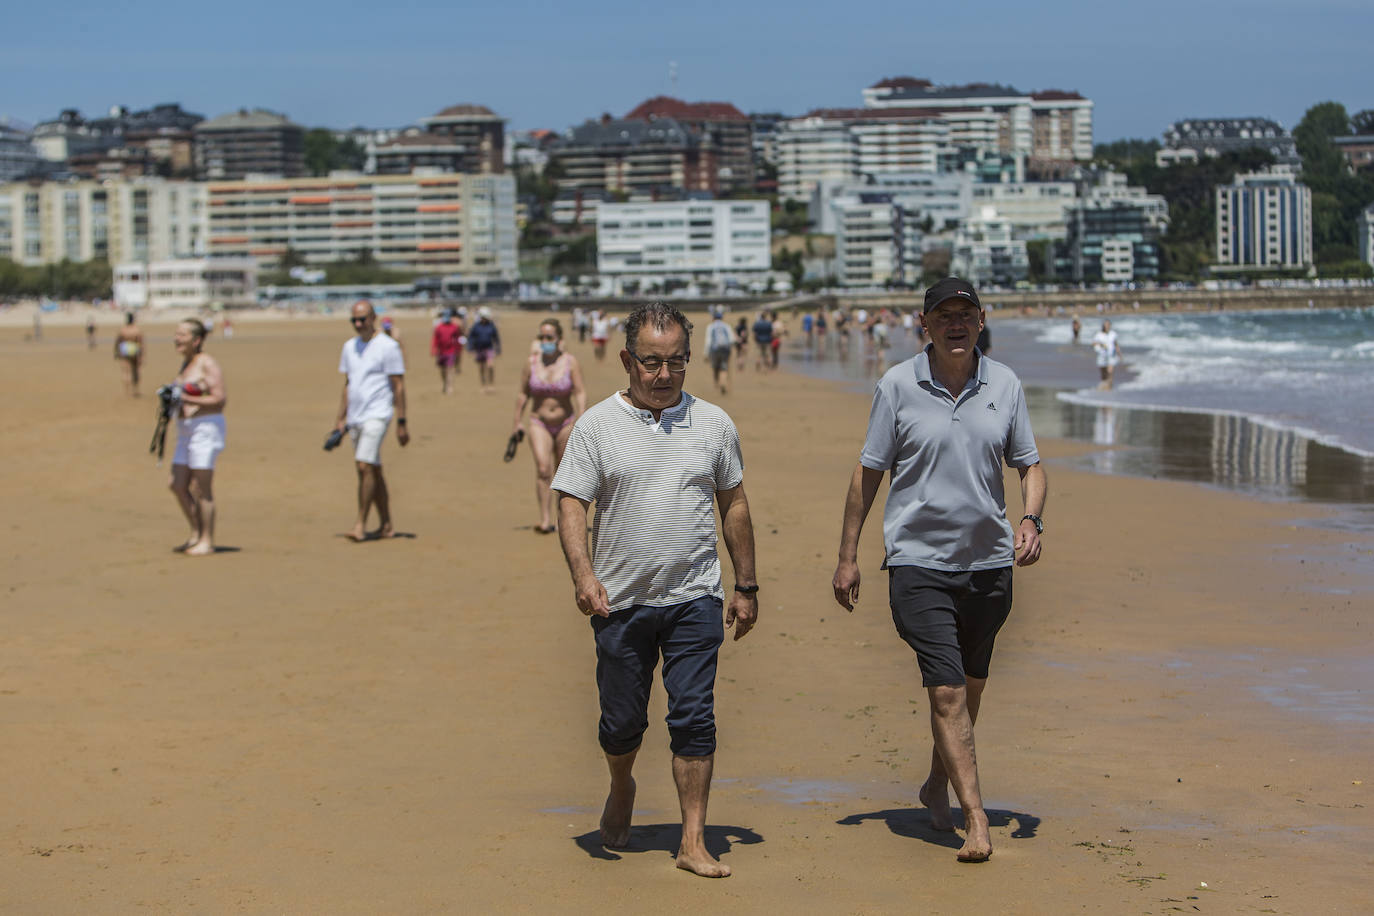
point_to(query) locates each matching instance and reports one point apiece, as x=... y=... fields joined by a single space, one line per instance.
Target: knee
x=544 y=471
x=366 y=470
x=948 y=699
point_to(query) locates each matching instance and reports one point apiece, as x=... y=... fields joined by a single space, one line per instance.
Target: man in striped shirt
x=655 y=459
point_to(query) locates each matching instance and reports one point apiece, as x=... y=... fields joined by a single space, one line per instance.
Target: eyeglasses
x=363 y=320
x=548 y=336
x=652 y=364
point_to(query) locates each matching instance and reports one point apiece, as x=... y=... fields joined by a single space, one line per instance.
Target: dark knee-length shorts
x=951 y=619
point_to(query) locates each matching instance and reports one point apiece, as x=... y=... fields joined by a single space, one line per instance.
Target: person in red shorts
x=446 y=347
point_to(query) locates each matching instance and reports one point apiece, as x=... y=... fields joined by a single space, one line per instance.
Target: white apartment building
x=718 y=241
x=845 y=144
x=986 y=254
x=426 y=221
x=1049 y=125
x=876 y=244
x=810 y=150
x=191 y=283
x=945 y=198
x=1118 y=261
x=138 y=219
x=1264 y=221
x=1035 y=209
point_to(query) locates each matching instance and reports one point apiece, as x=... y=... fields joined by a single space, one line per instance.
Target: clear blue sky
x=553 y=65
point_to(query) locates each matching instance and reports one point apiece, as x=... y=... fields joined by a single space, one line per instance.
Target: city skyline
x=541 y=67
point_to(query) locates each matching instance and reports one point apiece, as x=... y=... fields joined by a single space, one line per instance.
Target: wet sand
x=300 y=724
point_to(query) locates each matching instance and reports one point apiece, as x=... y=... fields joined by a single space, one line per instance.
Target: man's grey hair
x=660 y=316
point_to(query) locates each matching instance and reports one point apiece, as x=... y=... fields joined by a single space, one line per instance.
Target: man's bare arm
x=1034 y=489
x=572 y=534
x=737 y=527
x=863 y=488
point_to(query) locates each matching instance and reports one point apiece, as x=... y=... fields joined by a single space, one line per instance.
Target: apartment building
x=1046 y=126
x=1107 y=210
x=846 y=143
x=244 y=142
x=719 y=126
x=877 y=242
x=1034 y=209
x=428 y=221
x=716 y=241
x=479 y=130
x=415 y=150
x=986 y=254
x=942 y=199
x=634 y=157
x=1264 y=222
x=18 y=157
x=137 y=220
x=1357 y=150
x=1211 y=137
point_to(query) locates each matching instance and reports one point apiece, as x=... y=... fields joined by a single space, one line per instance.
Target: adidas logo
x=991 y=406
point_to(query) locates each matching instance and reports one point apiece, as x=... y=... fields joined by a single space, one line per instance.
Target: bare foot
x=202 y=549
x=977 y=842
x=615 y=817
x=937 y=803
x=356 y=533
x=386 y=531
x=700 y=862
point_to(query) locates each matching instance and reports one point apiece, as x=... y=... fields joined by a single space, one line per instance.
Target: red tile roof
x=666 y=107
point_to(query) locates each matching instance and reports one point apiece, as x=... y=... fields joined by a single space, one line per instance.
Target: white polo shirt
x=946 y=508
x=654 y=484
x=369 y=365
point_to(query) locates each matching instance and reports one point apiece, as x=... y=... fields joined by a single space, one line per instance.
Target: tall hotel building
x=689 y=240
x=426 y=221
x=1264 y=221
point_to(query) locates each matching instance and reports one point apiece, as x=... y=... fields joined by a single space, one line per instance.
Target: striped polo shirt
x=654 y=484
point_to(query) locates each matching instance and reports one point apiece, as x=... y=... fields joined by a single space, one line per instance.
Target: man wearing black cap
x=942 y=424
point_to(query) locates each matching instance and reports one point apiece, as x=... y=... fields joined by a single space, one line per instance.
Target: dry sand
x=306 y=725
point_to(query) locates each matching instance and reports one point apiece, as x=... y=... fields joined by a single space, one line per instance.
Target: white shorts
x=199 y=441
x=1106 y=360
x=367 y=440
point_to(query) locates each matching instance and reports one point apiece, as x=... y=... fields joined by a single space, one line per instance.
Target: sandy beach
x=1178 y=720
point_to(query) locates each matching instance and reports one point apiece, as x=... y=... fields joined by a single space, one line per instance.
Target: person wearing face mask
x=552 y=387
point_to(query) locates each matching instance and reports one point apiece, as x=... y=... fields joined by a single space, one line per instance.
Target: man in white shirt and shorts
x=656 y=460
x=374 y=391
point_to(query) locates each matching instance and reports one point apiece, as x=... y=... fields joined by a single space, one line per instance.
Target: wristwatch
x=1039 y=525
x=747 y=589
x=400 y=421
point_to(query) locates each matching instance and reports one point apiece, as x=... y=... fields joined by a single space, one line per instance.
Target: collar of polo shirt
x=674 y=411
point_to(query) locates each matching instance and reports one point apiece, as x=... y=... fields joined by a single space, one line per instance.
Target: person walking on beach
x=446 y=346
x=942 y=423
x=654 y=458
x=1108 y=352
x=128 y=353
x=763 y=341
x=720 y=342
x=601 y=333
x=90 y=332
x=484 y=340
x=552 y=386
x=373 y=393
x=200 y=399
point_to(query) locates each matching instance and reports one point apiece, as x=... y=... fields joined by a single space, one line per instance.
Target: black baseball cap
x=950 y=288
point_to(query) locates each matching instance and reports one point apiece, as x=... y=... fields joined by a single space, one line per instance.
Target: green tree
x=1038 y=253
x=1362 y=122
x=324 y=153
x=1126 y=154
x=1320 y=157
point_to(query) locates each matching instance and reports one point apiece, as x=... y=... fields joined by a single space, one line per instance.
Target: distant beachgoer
x=656 y=461
x=228 y=332
x=552 y=386
x=775 y=344
x=719 y=342
x=484 y=340
x=1077 y=328
x=374 y=391
x=741 y=341
x=200 y=401
x=128 y=353
x=601 y=333
x=763 y=341
x=446 y=346
x=948 y=547
x=808 y=323
x=1108 y=351
x=582 y=323
x=90 y=332
x=821 y=324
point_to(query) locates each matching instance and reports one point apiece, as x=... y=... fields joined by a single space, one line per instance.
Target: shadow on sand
x=915 y=823
x=377 y=536
x=666 y=838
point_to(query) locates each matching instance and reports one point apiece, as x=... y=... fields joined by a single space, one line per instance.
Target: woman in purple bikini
x=552 y=386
